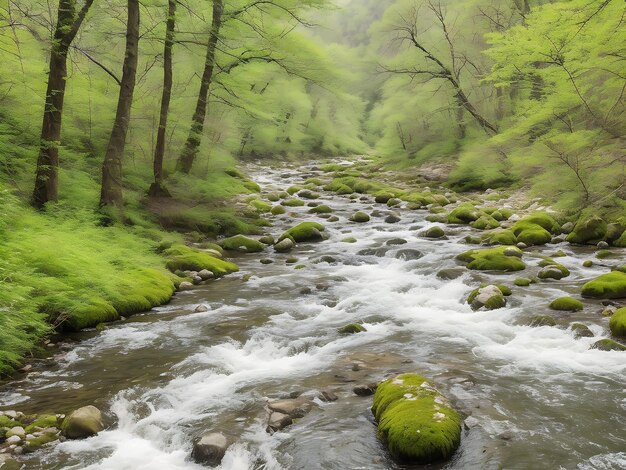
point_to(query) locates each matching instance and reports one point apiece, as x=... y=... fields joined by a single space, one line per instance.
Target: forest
x=184 y=154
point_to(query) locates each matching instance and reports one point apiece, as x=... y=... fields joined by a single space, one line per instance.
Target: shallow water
x=541 y=398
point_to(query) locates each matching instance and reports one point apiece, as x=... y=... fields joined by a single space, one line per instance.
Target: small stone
x=602 y=245
x=278 y=421
x=266 y=261
x=392 y=219
x=205 y=275
x=608 y=311
x=512 y=252
x=471 y=422
x=521 y=245
x=284 y=246
x=396 y=241
x=201 y=308
x=16 y=431
x=210 y=449
x=365 y=390
x=506 y=435
x=185 y=286
x=295 y=408
x=328 y=396
x=13 y=440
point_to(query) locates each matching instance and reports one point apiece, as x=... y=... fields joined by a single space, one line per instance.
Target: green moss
x=242 y=243
x=294 y=189
x=6 y=422
x=587 y=263
x=360 y=217
x=43 y=421
x=603 y=254
x=588 y=230
x=464 y=214
x=522 y=282
x=545 y=221
x=37 y=443
x=293 y=203
x=352 y=329
x=621 y=241
x=183 y=258
x=349 y=240
x=322 y=209
x=552 y=270
x=581 y=331
x=492 y=259
x=306 y=231
x=567 y=304
x=531 y=234
x=501 y=237
x=617 y=323
x=608 y=286
x=261 y=206
x=415 y=420
x=485 y=222
x=434 y=232
x=506 y=290
x=608 y=345
x=278 y=210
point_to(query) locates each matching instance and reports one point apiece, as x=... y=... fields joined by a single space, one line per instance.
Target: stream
x=540 y=398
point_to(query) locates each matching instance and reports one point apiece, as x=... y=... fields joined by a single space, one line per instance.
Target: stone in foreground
x=82 y=423
x=416 y=422
x=210 y=449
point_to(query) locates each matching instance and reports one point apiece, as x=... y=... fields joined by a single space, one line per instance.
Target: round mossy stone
x=304 y=232
x=351 y=329
x=321 y=209
x=242 y=243
x=278 y=210
x=588 y=263
x=608 y=286
x=360 y=217
x=588 y=229
x=567 y=304
x=581 y=331
x=617 y=324
x=493 y=259
x=415 y=420
x=434 y=232
x=522 y=282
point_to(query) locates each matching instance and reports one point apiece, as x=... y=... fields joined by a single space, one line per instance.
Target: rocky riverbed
x=274 y=366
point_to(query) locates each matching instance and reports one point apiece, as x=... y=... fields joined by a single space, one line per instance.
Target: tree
x=111 y=192
x=157 y=188
x=47 y=173
x=190 y=150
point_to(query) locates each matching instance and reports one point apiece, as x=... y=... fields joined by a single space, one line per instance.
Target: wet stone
x=296 y=408
x=365 y=390
x=277 y=422
x=210 y=449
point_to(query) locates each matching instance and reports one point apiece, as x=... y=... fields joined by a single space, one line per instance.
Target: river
x=540 y=398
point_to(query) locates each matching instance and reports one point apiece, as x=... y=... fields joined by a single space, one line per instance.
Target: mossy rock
x=588 y=230
x=183 y=258
x=308 y=194
x=349 y=240
x=322 y=209
x=541 y=320
x=608 y=286
x=501 y=237
x=553 y=270
x=567 y=304
x=261 y=206
x=293 y=203
x=617 y=324
x=581 y=331
x=433 y=232
x=522 y=282
x=360 y=217
x=506 y=290
x=351 y=329
x=531 y=234
x=293 y=190
x=544 y=220
x=36 y=443
x=464 y=214
x=608 y=345
x=621 y=241
x=6 y=422
x=616 y=229
x=278 y=210
x=492 y=259
x=559 y=254
x=305 y=232
x=267 y=240
x=485 y=222
x=415 y=420
x=604 y=254
x=242 y=243
x=252 y=186
x=42 y=421
x=587 y=263
x=383 y=197
x=273 y=197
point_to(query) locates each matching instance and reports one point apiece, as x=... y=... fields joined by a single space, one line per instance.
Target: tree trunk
x=47 y=173
x=111 y=193
x=157 y=188
x=460 y=118
x=188 y=155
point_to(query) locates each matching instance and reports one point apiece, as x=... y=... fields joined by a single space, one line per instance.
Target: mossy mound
x=464 y=214
x=322 y=209
x=351 y=329
x=588 y=230
x=581 y=331
x=544 y=220
x=416 y=421
x=293 y=203
x=493 y=259
x=500 y=237
x=433 y=232
x=608 y=286
x=242 y=243
x=349 y=240
x=278 y=210
x=360 y=217
x=617 y=323
x=183 y=258
x=621 y=241
x=567 y=304
x=522 y=282
x=553 y=270
x=304 y=232
x=42 y=421
x=608 y=345
x=293 y=190
x=485 y=222
x=261 y=206
x=530 y=233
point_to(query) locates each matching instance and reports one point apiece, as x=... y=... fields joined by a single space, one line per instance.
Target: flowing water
x=540 y=398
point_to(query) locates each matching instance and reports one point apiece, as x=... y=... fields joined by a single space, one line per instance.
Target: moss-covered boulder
x=307 y=194
x=608 y=286
x=321 y=209
x=618 y=323
x=360 y=217
x=567 y=304
x=553 y=271
x=485 y=222
x=500 y=237
x=489 y=297
x=305 y=232
x=83 y=422
x=293 y=203
x=588 y=230
x=464 y=214
x=581 y=331
x=278 y=210
x=35 y=443
x=351 y=329
x=184 y=258
x=242 y=243
x=522 y=282
x=493 y=259
x=541 y=320
x=260 y=205
x=608 y=345
x=433 y=232
x=531 y=234
x=415 y=420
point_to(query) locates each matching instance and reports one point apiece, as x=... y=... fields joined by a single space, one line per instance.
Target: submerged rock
x=416 y=421
x=409 y=254
x=581 y=331
x=608 y=345
x=83 y=422
x=392 y=218
x=541 y=320
x=433 y=232
x=351 y=329
x=210 y=449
